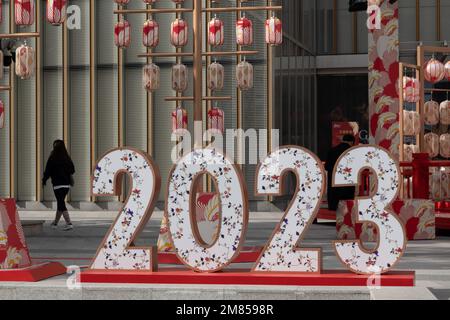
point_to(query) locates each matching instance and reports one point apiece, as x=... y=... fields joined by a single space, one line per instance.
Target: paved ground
x=431 y=259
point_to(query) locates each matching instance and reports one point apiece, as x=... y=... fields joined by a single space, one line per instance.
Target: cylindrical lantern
x=409 y=150
x=151 y=77
x=2 y=115
x=216 y=120
x=431 y=113
x=216 y=74
x=150 y=1
x=411 y=89
x=215 y=32
x=244 y=32
x=411 y=123
x=178 y=1
x=179 y=119
x=179 y=77
x=122 y=34
x=24 y=12
x=25 y=61
x=274 y=31
x=434 y=71
x=447 y=70
x=244 y=75
x=122 y=2
x=56 y=11
x=445 y=145
x=2 y=63
x=179 y=33
x=150 y=34
x=444 y=111
x=432 y=144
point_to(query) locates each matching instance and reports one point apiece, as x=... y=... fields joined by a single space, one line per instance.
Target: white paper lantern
x=244 y=75
x=151 y=77
x=431 y=113
x=25 y=62
x=179 y=33
x=409 y=150
x=411 y=89
x=122 y=34
x=2 y=115
x=150 y=34
x=215 y=32
x=447 y=70
x=179 y=119
x=434 y=71
x=24 y=12
x=216 y=74
x=56 y=11
x=444 y=110
x=274 y=31
x=432 y=144
x=216 y=120
x=411 y=123
x=244 y=32
x=445 y=145
x=179 y=77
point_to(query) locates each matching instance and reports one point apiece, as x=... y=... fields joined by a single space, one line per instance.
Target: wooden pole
x=198 y=103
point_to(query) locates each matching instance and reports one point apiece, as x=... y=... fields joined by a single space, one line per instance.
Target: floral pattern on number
x=281 y=253
x=392 y=241
x=233 y=218
x=113 y=253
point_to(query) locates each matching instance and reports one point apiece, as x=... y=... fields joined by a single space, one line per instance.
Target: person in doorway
x=337 y=194
x=60 y=169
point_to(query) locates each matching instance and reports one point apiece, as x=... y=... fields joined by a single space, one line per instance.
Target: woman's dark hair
x=59 y=152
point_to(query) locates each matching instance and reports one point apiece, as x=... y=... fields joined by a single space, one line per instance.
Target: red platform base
x=244 y=277
x=34 y=273
x=443 y=221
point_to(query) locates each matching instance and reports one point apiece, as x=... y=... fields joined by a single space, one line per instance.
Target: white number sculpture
x=115 y=251
x=190 y=248
x=281 y=254
x=392 y=242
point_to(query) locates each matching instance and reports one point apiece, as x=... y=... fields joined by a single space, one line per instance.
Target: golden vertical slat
x=38 y=105
x=270 y=89
x=12 y=117
x=149 y=106
x=238 y=97
x=198 y=68
x=120 y=97
x=65 y=86
x=92 y=89
x=208 y=91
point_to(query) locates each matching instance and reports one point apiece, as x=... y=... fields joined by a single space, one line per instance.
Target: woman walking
x=60 y=169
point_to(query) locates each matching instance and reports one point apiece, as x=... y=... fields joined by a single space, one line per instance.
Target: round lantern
x=445 y=145
x=150 y=34
x=434 y=71
x=179 y=77
x=409 y=150
x=411 y=89
x=216 y=74
x=122 y=34
x=432 y=144
x=215 y=32
x=411 y=123
x=25 y=61
x=274 y=31
x=151 y=77
x=244 y=75
x=179 y=33
x=216 y=120
x=122 y=2
x=179 y=119
x=431 y=113
x=56 y=11
x=24 y=12
x=447 y=70
x=444 y=111
x=2 y=115
x=244 y=32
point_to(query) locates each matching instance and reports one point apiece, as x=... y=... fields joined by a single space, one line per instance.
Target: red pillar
x=421 y=174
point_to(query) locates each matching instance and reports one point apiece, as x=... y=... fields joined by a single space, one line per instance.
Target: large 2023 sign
x=282 y=252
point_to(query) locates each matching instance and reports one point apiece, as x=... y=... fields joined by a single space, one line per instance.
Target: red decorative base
x=34 y=273
x=326 y=214
x=245 y=277
x=443 y=221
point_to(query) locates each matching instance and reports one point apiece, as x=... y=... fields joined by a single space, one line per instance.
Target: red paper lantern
x=179 y=119
x=434 y=71
x=2 y=115
x=56 y=11
x=274 y=31
x=411 y=89
x=215 y=33
x=179 y=77
x=447 y=70
x=25 y=62
x=24 y=12
x=445 y=145
x=149 y=1
x=151 y=77
x=244 y=75
x=179 y=33
x=215 y=77
x=244 y=32
x=445 y=112
x=150 y=34
x=216 y=120
x=122 y=34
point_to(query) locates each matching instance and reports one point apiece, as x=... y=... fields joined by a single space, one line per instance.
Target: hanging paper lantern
x=179 y=33
x=25 y=62
x=151 y=77
x=434 y=71
x=409 y=150
x=56 y=11
x=411 y=123
x=244 y=75
x=2 y=63
x=447 y=70
x=179 y=119
x=149 y=1
x=122 y=2
x=411 y=89
x=216 y=119
x=244 y=32
x=215 y=33
x=150 y=34
x=444 y=111
x=2 y=115
x=216 y=74
x=24 y=12
x=178 y=1
x=122 y=34
x=445 y=145
x=432 y=144
x=274 y=31
x=431 y=113
x=179 y=77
